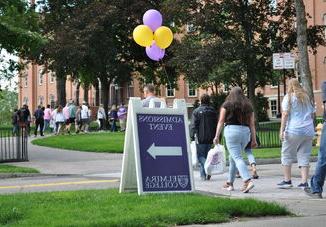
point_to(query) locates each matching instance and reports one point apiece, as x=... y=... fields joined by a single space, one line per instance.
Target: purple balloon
x=154 y=52
x=153 y=19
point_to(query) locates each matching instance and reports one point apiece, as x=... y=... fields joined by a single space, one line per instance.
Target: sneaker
x=228 y=186
x=208 y=177
x=315 y=195
x=303 y=185
x=285 y=184
x=203 y=178
x=247 y=186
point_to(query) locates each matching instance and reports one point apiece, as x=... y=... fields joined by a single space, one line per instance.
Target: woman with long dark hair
x=238 y=116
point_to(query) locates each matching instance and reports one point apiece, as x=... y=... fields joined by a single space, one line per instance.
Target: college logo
x=183 y=180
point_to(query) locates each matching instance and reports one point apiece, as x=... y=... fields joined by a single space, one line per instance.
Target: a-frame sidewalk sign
x=156 y=150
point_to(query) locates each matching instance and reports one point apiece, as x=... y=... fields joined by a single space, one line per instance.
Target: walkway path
x=75 y=170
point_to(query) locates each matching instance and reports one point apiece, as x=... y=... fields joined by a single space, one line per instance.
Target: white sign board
x=288 y=61
x=283 y=61
x=156 y=156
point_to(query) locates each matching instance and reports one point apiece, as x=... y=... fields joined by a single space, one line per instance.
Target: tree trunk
x=77 y=93
x=303 y=49
x=97 y=93
x=105 y=87
x=61 y=90
x=86 y=89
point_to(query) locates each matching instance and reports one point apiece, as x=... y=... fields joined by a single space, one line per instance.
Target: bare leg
x=287 y=172
x=304 y=173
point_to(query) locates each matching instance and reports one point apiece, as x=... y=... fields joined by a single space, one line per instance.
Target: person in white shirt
x=52 y=121
x=296 y=132
x=149 y=90
x=84 y=117
x=101 y=116
x=59 y=120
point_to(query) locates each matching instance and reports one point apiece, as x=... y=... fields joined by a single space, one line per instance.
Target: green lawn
x=109 y=208
x=16 y=169
x=275 y=152
x=96 y=142
x=113 y=143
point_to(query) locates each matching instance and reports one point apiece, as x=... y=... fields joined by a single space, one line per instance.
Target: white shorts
x=295 y=146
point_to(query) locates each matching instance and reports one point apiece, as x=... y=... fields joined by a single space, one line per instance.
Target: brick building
x=36 y=88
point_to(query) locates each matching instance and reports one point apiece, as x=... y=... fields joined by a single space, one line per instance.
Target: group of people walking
x=60 y=119
x=236 y=117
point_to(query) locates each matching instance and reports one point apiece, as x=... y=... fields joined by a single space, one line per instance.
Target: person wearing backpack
x=202 y=129
x=39 y=120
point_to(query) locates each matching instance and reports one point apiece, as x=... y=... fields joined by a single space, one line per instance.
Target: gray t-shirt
x=146 y=102
x=300 y=121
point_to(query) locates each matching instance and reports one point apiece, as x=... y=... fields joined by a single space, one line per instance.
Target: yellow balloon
x=143 y=35
x=163 y=37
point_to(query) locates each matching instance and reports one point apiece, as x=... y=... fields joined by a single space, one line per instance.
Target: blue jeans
x=237 y=138
x=202 y=151
x=318 y=179
x=250 y=156
x=46 y=125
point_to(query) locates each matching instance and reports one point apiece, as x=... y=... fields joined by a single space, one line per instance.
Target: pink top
x=66 y=112
x=47 y=114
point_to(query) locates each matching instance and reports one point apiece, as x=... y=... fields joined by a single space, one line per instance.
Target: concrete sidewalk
x=102 y=166
x=311 y=211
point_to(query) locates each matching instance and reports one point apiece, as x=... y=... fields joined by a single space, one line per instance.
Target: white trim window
x=40 y=77
x=52 y=75
x=273 y=105
x=324 y=21
x=25 y=100
x=192 y=91
x=26 y=80
x=52 y=101
x=170 y=91
x=41 y=100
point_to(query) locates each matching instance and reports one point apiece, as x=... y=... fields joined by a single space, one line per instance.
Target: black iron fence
x=13 y=144
x=268 y=133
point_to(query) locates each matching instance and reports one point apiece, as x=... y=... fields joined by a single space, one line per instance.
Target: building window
x=170 y=91
x=52 y=75
x=273 y=108
x=25 y=101
x=192 y=91
x=26 y=80
x=130 y=90
x=52 y=102
x=324 y=20
x=41 y=100
x=40 y=77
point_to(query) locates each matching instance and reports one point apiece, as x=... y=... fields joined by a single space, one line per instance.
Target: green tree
x=8 y=102
x=19 y=34
x=239 y=33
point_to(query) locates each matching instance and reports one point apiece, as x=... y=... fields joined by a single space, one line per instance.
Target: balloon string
x=166 y=73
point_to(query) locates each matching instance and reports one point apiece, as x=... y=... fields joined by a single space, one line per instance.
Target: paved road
x=84 y=170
